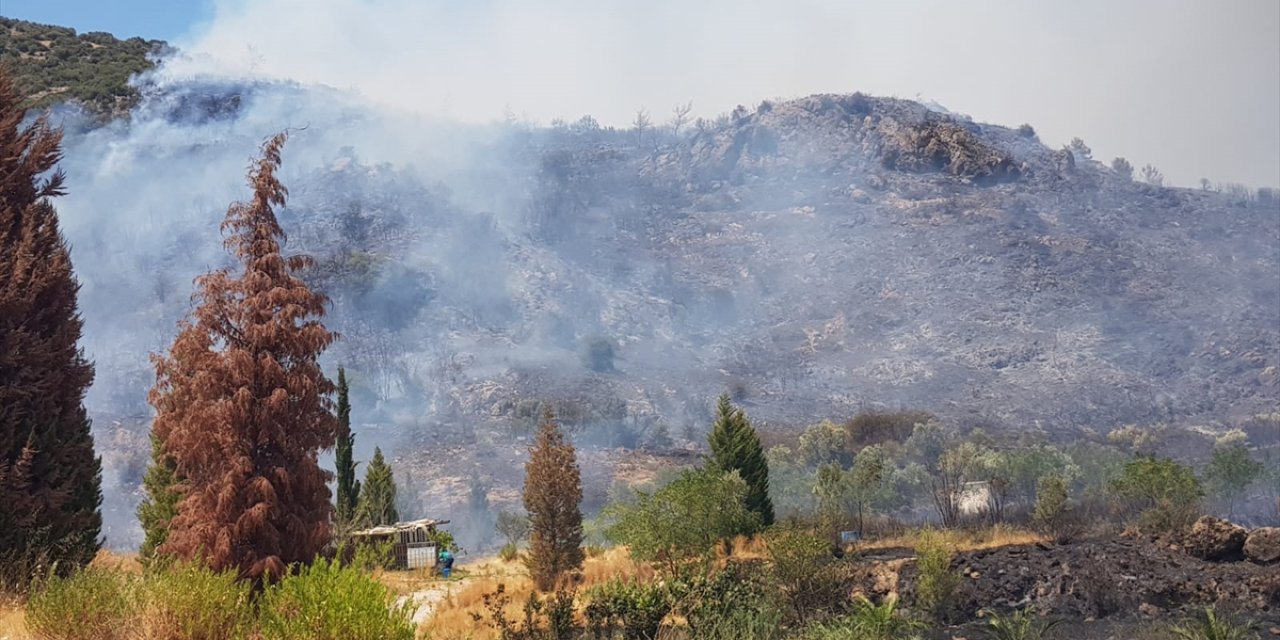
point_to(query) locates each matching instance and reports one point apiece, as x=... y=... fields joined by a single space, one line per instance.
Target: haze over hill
x=814 y=256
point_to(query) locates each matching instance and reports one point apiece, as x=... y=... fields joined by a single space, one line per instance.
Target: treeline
x=52 y=64
x=879 y=469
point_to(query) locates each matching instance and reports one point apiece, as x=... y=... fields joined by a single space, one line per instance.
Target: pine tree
x=735 y=446
x=157 y=510
x=552 y=495
x=378 y=496
x=52 y=498
x=242 y=406
x=348 y=486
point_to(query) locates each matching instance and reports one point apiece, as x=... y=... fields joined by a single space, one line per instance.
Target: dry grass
x=13 y=621
x=453 y=620
x=960 y=540
x=124 y=562
x=12 y=610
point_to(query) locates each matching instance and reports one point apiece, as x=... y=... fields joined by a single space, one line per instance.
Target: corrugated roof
x=388 y=529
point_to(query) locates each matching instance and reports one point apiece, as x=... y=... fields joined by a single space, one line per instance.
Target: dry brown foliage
x=552 y=495
x=49 y=476
x=242 y=405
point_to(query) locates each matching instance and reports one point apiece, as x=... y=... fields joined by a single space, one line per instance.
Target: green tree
x=161 y=504
x=348 y=486
x=866 y=482
x=684 y=519
x=378 y=497
x=1230 y=472
x=1164 y=493
x=552 y=498
x=735 y=446
x=856 y=490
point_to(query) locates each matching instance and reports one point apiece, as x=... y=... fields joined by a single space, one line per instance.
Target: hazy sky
x=1192 y=87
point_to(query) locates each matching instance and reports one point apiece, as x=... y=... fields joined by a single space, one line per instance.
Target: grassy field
x=448 y=608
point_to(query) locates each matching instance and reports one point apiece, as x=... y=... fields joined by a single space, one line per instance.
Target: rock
x=1216 y=539
x=1263 y=545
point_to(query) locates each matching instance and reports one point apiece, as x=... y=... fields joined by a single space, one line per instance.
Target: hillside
x=814 y=257
x=55 y=64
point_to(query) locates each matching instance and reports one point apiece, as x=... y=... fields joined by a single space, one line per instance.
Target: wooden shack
x=412 y=545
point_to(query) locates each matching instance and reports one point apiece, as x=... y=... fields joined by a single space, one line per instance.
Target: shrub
x=512 y=526
x=1152 y=176
x=1166 y=494
x=556 y=609
x=936 y=585
x=762 y=623
x=805 y=571
x=1211 y=626
x=1052 y=514
x=599 y=354
x=509 y=553
x=879 y=427
x=735 y=603
x=188 y=601
x=635 y=608
x=867 y=621
x=683 y=519
x=1122 y=168
x=1027 y=131
x=326 y=601
x=1019 y=625
x=94 y=603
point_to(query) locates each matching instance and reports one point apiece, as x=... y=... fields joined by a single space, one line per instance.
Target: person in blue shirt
x=446 y=563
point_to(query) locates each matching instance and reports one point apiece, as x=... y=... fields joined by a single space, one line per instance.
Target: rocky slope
x=813 y=257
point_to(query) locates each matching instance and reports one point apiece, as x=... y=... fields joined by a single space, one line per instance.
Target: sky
x=1192 y=87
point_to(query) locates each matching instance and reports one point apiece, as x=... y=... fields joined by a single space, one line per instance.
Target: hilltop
x=814 y=257
x=54 y=64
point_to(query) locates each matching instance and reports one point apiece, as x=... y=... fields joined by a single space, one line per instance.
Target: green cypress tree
x=735 y=446
x=161 y=504
x=378 y=496
x=348 y=486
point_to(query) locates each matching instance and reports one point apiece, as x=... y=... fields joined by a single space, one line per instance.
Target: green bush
x=634 y=608
x=734 y=603
x=1211 y=626
x=326 y=601
x=683 y=519
x=867 y=621
x=936 y=586
x=1019 y=625
x=806 y=572
x=188 y=601
x=94 y=603
x=509 y=553
x=1166 y=495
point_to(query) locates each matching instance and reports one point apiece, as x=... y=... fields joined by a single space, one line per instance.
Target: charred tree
x=242 y=406
x=50 y=479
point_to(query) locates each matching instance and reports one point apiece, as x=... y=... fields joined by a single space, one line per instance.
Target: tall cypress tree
x=552 y=497
x=157 y=510
x=735 y=446
x=378 y=495
x=348 y=486
x=52 y=479
x=242 y=405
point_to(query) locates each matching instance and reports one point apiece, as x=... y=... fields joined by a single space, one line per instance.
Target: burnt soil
x=1128 y=587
